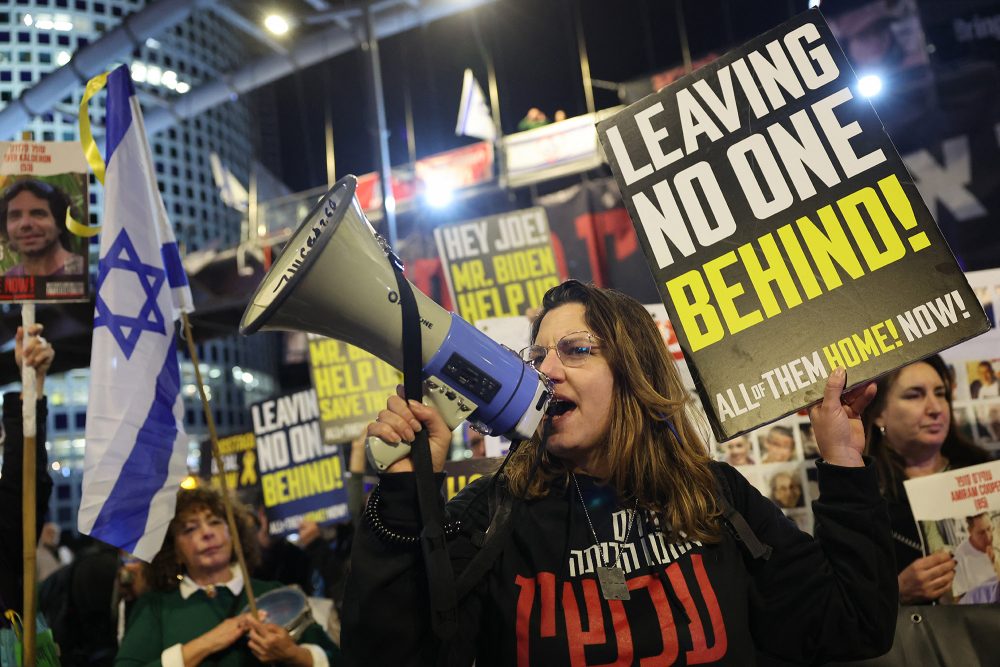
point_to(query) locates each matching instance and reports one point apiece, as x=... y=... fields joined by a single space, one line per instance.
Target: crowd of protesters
x=107 y=608
x=87 y=590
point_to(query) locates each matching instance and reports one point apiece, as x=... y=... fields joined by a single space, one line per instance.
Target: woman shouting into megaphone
x=614 y=538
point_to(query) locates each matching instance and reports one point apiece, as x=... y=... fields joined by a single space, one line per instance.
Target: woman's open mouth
x=558 y=407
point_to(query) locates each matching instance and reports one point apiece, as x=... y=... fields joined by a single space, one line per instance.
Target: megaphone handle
x=440 y=575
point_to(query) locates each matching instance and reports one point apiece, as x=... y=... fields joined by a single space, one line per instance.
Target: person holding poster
x=615 y=550
x=33 y=224
x=191 y=615
x=911 y=432
x=38 y=354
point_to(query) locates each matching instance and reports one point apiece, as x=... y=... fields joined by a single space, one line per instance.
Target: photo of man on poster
x=33 y=225
x=786 y=489
x=737 y=452
x=975 y=555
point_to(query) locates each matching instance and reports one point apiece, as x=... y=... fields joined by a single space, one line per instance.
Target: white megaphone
x=333 y=278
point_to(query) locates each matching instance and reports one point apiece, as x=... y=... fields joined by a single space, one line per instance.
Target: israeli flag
x=136 y=447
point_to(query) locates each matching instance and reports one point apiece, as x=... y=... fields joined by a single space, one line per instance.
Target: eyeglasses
x=572 y=350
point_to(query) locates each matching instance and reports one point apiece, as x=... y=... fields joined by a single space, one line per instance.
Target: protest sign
x=760 y=454
x=301 y=478
x=462 y=472
x=43 y=198
x=958 y=510
x=239 y=459
x=351 y=387
x=498 y=266
x=782 y=229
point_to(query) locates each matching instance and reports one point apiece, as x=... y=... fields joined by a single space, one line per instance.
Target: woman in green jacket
x=193 y=614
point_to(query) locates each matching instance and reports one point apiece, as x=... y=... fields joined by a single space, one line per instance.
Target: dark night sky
x=533 y=45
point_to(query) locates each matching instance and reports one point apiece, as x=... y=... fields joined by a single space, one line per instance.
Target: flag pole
x=29 y=464
x=217 y=457
x=29 y=491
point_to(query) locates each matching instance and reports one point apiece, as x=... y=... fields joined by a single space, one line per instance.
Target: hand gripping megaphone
x=333 y=278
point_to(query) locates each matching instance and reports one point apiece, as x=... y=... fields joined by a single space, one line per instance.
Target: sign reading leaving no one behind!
x=301 y=478
x=782 y=229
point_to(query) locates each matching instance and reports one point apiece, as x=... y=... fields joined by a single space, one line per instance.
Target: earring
x=881 y=429
x=180 y=572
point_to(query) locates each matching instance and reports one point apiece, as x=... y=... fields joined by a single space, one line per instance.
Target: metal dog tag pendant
x=613 y=586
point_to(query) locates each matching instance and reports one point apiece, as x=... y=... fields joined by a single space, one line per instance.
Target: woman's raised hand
x=401 y=420
x=836 y=420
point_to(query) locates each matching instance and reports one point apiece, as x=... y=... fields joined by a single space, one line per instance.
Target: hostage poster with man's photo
x=43 y=211
x=784 y=234
x=959 y=511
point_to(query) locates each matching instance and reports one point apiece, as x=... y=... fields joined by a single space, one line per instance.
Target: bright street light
x=438 y=193
x=870 y=85
x=276 y=24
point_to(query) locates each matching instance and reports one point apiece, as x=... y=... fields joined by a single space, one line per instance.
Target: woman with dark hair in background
x=192 y=615
x=910 y=430
x=616 y=550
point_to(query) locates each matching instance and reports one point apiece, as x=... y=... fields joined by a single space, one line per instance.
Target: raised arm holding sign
x=34 y=216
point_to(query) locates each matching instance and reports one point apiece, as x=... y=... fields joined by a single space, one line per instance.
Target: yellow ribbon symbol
x=249 y=475
x=90 y=150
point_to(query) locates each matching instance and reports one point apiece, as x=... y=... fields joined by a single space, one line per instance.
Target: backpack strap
x=490 y=544
x=737 y=523
x=743 y=532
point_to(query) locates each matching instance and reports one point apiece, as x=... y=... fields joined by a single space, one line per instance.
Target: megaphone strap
x=437 y=562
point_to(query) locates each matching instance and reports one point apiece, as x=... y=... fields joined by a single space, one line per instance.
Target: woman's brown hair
x=164 y=568
x=959 y=451
x=667 y=472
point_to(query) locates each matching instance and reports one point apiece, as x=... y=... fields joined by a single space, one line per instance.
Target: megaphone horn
x=333 y=278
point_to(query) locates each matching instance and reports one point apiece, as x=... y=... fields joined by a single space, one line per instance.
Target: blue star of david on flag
x=127 y=329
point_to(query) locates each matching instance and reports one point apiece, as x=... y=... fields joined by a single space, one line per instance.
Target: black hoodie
x=813 y=600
